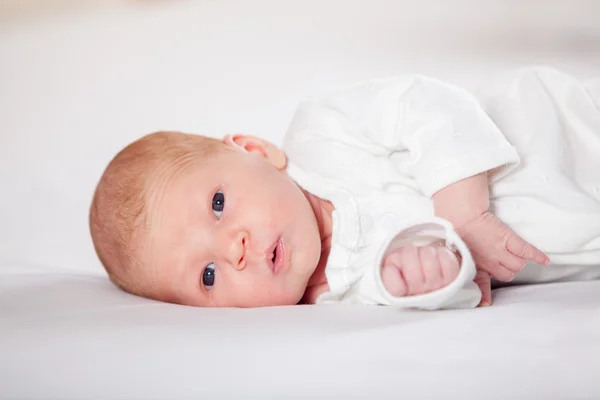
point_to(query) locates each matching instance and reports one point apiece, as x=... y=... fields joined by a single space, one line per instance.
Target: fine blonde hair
x=119 y=219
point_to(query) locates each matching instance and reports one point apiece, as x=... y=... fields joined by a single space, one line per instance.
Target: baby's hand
x=411 y=270
x=496 y=249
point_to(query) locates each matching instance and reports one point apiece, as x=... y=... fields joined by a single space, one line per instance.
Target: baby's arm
x=496 y=249
x=440 y=140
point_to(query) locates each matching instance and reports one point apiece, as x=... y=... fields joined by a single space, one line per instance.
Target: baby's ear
x=263 y=148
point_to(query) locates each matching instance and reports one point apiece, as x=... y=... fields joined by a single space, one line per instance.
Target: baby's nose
x=236 y=253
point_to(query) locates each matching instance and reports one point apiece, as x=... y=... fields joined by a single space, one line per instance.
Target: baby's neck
x=323 y=210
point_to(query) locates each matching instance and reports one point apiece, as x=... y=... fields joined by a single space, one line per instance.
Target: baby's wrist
x=464 y=201
x=459 y=220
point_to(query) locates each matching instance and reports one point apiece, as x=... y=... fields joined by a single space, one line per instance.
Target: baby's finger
x=395 y=258
x=432 y=274
x=499 y=272
x=521 y=248
x=482 y=279
x=411 y=270
x=393 y=281
x=449 y=264
x=512 y=262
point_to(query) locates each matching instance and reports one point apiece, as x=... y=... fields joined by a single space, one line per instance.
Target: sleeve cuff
x=461 y=293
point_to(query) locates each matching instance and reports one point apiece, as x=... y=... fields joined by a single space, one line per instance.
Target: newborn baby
x=398 y=191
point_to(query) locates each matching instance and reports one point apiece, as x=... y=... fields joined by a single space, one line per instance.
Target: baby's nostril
x=274 y=255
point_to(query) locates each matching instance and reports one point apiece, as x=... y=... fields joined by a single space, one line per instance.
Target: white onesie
x=379 y=150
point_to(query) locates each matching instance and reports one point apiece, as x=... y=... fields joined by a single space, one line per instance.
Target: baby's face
x=234 y=231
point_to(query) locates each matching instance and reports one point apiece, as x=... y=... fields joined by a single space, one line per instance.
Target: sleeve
x=461 y=293
x=433 y=132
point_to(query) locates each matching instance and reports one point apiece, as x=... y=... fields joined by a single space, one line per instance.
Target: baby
x=404 y=191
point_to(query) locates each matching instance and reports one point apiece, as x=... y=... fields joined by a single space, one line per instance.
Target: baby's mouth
x=274 y=255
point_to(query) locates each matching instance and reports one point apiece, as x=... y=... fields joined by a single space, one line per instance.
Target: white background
x=78 y=84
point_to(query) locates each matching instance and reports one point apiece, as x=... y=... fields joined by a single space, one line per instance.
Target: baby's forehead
x=173 y=207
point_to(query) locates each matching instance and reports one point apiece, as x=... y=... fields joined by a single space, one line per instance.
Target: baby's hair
x=118 y=214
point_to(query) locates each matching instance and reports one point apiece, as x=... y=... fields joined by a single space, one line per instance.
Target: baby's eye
x=218 y=204
x=208 y=276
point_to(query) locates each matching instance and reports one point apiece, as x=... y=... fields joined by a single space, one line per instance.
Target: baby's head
x=205 y=222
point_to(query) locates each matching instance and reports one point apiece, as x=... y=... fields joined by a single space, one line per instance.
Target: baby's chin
x=279 y=301
x=290 y=298
x=251 y=303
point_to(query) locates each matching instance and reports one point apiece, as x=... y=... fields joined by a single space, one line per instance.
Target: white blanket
x=64 y=335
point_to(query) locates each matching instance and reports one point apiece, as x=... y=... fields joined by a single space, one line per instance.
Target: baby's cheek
x=287 y=295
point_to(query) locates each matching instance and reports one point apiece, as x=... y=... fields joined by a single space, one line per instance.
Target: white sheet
x=69 y=336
